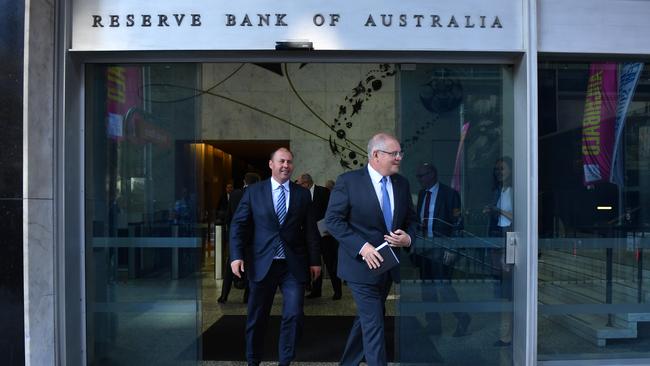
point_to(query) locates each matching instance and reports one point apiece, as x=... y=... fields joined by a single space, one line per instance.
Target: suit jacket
x=256 y=213
x=235 y=197
x=320 y=201
x=354 y=217
x=446 y=211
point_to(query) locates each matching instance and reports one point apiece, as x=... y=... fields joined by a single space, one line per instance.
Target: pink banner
x=122 y=87
x=598 y=123
x=456 y=178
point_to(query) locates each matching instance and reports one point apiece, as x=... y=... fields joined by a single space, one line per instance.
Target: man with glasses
x=368 y=207
x=438 y=208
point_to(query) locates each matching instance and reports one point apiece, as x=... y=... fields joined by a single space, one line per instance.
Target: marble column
x=38 y=184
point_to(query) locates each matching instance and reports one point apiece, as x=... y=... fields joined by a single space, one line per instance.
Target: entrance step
x=595 y=328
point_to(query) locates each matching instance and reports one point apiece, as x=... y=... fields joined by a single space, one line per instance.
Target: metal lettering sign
x=446 y=25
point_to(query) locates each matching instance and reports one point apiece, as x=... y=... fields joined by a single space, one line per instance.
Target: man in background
x=236 y=195
x=438 y=208
x=329 y=247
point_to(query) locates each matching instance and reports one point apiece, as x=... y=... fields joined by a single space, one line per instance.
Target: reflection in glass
x=159 y=163
x=145 y=235
x=456 y=292
x=594 y=181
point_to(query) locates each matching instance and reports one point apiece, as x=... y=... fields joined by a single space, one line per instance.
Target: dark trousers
x=329 y=250
x=259 y=309
x=228 y=278
x=367 y=334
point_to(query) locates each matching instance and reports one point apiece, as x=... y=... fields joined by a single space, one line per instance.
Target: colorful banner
x=598 y=123
x=122 y=87
x=627 y=80
x=456 y=178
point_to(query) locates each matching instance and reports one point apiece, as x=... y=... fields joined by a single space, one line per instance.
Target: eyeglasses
x=394 y=154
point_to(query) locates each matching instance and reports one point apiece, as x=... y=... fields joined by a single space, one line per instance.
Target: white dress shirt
x=376 y=183
x=432 y=206
x=276 y=192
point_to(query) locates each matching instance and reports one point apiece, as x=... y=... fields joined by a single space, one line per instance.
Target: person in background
x=500 y=213
x=438 y=208
x=228 y=277
x=329 y=184
x=284 y=245
x=328 y=245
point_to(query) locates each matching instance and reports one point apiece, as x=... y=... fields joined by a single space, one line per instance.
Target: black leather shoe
x=461 y=327
x=222 y=300
x=313 y=295
x=336 y=296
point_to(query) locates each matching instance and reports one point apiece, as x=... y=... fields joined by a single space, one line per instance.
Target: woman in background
x=500 y=222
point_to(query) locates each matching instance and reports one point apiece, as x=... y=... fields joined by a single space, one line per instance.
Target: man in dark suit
x=224 y=203
x=367 y=207
x=233 y=202
x=284 y=245
x=329 y=247
x=438 y=209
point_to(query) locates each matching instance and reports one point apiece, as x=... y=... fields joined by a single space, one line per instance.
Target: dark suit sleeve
x=337 y=216
x=240 y=227
x=311 y=234
x=411 y=216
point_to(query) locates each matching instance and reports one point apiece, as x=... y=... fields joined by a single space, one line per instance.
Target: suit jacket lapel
x=293 y=199
x=372 y=195
x=420 y=203
x=439 y=202
x=267 y=200
x=398 y=205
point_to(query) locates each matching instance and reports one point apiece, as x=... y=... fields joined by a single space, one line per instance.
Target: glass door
x=165 y=141
x=144 y=225
x=456 y=297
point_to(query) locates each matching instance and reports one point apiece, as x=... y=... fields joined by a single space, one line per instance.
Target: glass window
x=145 y=227
x=166 y=144
x=456 y=294
x=594 y=212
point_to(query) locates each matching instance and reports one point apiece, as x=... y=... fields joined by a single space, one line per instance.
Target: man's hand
x=398 y=238
x=371 y=256
x=237 y=267
x=315 y=272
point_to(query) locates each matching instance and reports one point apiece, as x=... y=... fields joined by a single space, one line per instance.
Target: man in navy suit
x=438 y=208
x=320 y=197
x=367 y=207
x=284 y=245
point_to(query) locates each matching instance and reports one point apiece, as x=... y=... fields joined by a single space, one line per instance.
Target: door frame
x=70 y=284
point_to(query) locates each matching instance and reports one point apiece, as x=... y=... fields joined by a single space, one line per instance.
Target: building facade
x=126 y=121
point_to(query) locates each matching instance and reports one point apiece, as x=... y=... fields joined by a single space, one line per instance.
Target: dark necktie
x=281 y=211
x=425 y=215
x=385 y=205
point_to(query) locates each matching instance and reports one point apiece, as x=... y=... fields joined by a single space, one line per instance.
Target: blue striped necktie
x=385 y=205
x=281 y=211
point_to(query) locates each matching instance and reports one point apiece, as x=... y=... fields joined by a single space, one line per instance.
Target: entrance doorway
x=156 y=182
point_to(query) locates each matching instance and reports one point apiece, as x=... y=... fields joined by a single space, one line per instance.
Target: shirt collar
x=434 y=188
x=374 y=175
x=275 y=184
